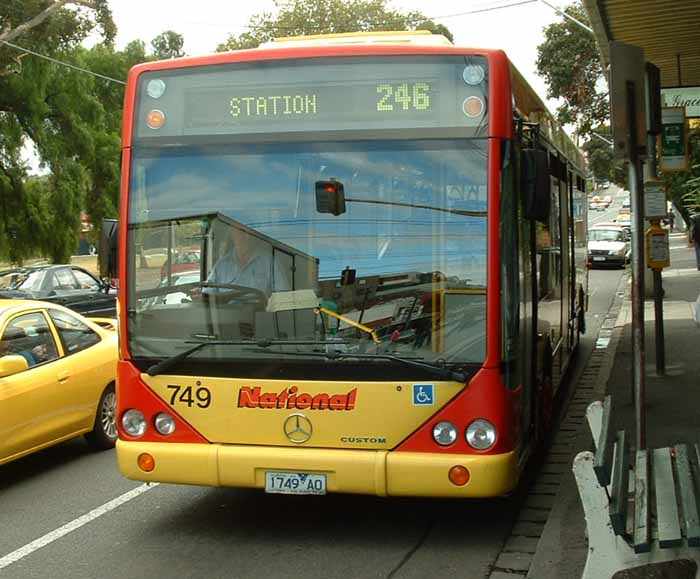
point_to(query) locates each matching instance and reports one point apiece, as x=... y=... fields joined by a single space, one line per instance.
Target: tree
x=167 y=45
x=304 y=17
x=12 y=27
x=569 y=62
x=72 y=119
x=600 y=158
x=45 y=106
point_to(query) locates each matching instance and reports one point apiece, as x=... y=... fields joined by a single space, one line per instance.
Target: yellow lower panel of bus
x=339 y=415
x=367 y=472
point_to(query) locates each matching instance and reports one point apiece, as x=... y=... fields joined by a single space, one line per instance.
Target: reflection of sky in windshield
x=271 y=188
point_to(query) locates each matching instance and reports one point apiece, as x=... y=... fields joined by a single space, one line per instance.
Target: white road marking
x=56 y=534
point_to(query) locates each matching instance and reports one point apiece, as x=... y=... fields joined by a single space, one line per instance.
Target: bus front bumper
x=369 y=472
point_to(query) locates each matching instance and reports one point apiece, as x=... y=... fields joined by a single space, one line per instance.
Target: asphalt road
x=56 y=520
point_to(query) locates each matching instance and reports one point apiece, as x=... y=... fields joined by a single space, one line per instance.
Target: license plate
x=295 y=483
x=598 y=259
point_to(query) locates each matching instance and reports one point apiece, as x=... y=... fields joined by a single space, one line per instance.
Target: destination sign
x=389 y=97
x=313 y=95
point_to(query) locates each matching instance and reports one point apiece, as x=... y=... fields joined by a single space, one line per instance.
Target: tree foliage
x=600 y=158
x=307 y=17
x=569 y=62
x=86 y=15
x=72 y=120
x=168 y=45
x=47 y=107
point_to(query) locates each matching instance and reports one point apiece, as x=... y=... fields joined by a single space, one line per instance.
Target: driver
x=243 y=264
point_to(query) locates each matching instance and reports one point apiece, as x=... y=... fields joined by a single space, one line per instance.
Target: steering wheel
x=226 y=293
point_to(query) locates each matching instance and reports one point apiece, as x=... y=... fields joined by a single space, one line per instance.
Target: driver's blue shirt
x=256 y=273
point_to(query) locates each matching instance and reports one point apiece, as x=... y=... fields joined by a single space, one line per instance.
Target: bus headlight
x=444 y=433
x=134 y=422
x=165 y=424
x=481 y=434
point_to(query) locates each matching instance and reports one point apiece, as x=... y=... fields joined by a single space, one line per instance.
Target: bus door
x=566 y=265
x=518 y=308
x=549 y=278
x=571 y=188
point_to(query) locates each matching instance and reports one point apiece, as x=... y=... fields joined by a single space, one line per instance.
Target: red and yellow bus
x=386 y=243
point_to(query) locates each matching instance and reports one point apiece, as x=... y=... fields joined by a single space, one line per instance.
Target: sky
x=515 y=29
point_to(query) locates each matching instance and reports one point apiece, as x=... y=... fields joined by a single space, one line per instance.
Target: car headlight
x=481 y=434
x=134 y=422
x=444 y=433
x=165 y=424
x=620 y=251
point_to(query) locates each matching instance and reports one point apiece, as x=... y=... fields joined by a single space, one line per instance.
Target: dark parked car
x=68 y=285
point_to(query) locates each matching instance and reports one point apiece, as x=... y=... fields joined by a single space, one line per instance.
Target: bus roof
x=529 y=104
x=416 y=37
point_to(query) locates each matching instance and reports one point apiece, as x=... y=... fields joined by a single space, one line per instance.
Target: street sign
x=627 y=80
x=688 y=97
x=673 y=143
x=655 y=206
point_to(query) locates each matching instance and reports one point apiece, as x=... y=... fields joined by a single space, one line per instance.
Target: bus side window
x=510 y=281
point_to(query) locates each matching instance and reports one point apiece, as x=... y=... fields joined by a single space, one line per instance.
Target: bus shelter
x=666 y=32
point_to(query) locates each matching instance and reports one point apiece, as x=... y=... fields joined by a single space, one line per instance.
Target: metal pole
x=636 y=193
x=658 y=285
x=659 y=324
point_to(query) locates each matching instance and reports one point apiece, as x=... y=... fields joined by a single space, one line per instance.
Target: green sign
x=674 y=154
x=672 y=140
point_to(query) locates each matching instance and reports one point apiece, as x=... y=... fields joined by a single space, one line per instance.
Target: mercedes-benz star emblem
x=297 y=428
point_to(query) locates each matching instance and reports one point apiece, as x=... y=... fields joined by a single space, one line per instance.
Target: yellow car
x=57 y=373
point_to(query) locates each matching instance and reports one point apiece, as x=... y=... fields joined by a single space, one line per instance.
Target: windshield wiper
x=163 y=365
x=439 y=371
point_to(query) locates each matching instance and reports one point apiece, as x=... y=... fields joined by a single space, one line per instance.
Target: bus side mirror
x=330 y=197
x=534 y=183
x=107 y=255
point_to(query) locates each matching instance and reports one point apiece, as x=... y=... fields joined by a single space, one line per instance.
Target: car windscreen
x=605 y=235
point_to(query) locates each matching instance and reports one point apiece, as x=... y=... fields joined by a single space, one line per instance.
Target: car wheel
x=104 y=432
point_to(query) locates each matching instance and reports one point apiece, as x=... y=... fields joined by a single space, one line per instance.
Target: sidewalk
x=673 y=404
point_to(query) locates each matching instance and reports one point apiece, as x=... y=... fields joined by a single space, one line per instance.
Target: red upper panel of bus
x=500 y=102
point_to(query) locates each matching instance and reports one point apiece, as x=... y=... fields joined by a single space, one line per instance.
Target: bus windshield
x=400 y=270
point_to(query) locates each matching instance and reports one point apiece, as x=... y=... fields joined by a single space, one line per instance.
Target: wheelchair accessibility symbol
x=423 y=395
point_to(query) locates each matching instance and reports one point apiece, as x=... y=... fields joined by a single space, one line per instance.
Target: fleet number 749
x=189 y=396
